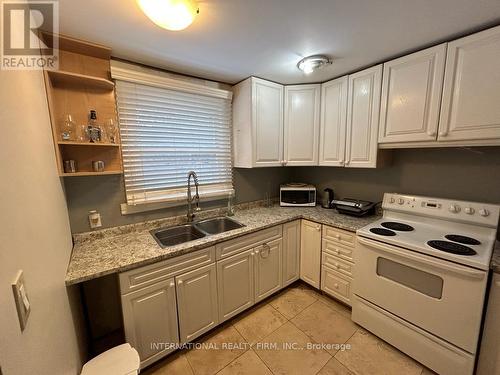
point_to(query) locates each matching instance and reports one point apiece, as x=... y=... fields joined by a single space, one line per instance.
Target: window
x=168 y=128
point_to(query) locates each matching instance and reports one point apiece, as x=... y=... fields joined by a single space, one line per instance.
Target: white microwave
x=297 y=195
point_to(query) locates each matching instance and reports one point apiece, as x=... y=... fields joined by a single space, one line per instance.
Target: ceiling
x=233 y=39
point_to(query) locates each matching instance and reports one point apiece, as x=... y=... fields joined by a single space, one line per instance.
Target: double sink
x=193 y=231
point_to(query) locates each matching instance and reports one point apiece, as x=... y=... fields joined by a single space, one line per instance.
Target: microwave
x=297 y=195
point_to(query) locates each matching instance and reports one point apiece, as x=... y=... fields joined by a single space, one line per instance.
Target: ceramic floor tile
x=219 y=349
x=372 y=356
x=259 y=322
x=246 y=364
x=334 y=367
x=174 y=364
x=296 y=358
x=426 y=371
x=292 y=301
x=325 y=326
x=335 y=305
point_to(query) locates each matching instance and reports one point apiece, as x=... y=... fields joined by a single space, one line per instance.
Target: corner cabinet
x=363 y=109
x=470 y=109
x=333 y=123
x=310 y=253
x=411 y=96
x=301 y=130
x=268 y=258
x=257 y=123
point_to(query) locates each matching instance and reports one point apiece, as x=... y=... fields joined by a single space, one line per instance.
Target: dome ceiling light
x=170 y=14
x=311 y=63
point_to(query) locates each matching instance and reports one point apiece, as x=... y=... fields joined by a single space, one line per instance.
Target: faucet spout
x=190 y=198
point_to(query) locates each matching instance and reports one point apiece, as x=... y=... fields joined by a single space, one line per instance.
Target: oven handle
x=403 y=254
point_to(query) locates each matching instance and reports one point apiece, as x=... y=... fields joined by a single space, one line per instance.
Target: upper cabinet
x=363 y=109
x=333 y=122
x=258 y=123
x=470 y=110
x=302 y=106
x=411 y=96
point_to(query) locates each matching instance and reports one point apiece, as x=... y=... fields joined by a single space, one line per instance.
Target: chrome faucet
x=195 y=199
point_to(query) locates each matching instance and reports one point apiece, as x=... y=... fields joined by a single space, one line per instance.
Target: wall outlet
x=23 y=305
x=95 y=219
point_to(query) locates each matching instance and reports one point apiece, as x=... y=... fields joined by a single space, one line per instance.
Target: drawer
x=342 y=252
x=339 y=236
x=336 y=285
x=337 y=264
x=153 y=273
x=234 y=246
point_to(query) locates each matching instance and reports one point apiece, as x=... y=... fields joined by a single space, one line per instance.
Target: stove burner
x=451 y=247
x=383 y=232
x=397 y=226
x=462 y=239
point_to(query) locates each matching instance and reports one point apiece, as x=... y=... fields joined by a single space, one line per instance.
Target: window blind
x=166 y=133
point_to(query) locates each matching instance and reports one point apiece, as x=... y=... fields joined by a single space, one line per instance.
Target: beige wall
x=34 y=236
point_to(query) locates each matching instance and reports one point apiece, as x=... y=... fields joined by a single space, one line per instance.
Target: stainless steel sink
x=177 y=235
x=217 y=225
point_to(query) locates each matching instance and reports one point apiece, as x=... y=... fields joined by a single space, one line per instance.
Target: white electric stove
x=420 y=277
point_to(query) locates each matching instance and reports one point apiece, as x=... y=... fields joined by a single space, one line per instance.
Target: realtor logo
x=23 y=47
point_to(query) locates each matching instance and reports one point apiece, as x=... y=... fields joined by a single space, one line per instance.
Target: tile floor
x=301 y=317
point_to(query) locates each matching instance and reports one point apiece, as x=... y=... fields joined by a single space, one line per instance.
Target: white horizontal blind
x=165 y=134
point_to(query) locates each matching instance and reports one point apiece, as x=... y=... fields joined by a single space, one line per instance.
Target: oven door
x=292 y=197
x=441 y=297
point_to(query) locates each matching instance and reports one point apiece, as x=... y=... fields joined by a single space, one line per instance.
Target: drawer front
x=336 y=285
x=337 y=264
x=153 y=273
x=339 y=236
x=342 y=252
x=234 y=246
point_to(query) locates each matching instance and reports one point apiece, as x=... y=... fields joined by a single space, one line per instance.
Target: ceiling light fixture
x=170 y=14
x=311 y=63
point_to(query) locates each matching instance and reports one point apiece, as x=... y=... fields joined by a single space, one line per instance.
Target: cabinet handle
x=336 y=286
x=431 y=133
x=179 y=282
x=267 y=249
x=337 y=265
x=172 y=284
x=318 y=228
x=444 y=133
x=252 y=254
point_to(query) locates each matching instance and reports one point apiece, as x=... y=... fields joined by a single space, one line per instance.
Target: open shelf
x=97 y=144
x=64 y=78
x=81 y=174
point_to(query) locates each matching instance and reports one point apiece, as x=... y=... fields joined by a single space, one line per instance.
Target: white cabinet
x=470 y=109
x=411 y=96
x=310 y=253
x=197 y=302
x=291 y=252
x=363 y=109
x=235 y=284
x=149 y=318
x=257 y=123
x=267 y=260
x=302 y=106
x=332 y=133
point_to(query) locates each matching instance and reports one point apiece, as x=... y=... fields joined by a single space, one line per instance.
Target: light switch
x=21 y=298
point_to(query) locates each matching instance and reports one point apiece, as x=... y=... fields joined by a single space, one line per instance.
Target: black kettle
x=328 y=198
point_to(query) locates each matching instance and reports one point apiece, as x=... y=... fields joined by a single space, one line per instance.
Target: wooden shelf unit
x=82 y=83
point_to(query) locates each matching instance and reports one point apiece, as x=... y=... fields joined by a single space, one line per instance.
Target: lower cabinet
x=197 y=302
x=150 y=320
x=235 y=284
x=267 y=258
x=291 y=252
x=336 y=285
x=310 y=252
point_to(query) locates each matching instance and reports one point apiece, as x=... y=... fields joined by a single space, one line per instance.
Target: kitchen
x=324 y=200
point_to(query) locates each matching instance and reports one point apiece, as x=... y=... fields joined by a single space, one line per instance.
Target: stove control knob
x=484 y=212
x=401 y=201
x=454 y=208
x=392 y=200
x=469 y=210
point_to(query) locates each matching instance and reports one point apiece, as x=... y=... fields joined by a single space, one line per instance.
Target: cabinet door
x=470 y=109
x=332 y=133
x=149 y=318
x=235 y=281
x=310 y=252
x=302 y=104
x=197 y=302
x=291 y=252
x=267 y=269
x=267 y=113
x=363 y=109
x=411 y=96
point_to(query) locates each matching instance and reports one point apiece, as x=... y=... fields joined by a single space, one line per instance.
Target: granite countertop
x=114 y=250
x=495 y=260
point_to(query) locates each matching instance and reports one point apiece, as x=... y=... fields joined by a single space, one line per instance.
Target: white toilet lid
x=120 y=360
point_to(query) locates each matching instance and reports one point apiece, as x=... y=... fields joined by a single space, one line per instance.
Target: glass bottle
x=94 y=131
x=111 y=131
x=68 y=129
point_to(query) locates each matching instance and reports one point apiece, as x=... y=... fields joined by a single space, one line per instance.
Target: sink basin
x=218 y=225
x=177 y=235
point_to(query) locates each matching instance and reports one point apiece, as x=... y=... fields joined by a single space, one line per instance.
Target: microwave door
x=296 y=197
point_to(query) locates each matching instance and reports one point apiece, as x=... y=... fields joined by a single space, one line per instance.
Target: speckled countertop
x=495 y=260
x=118 y=249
